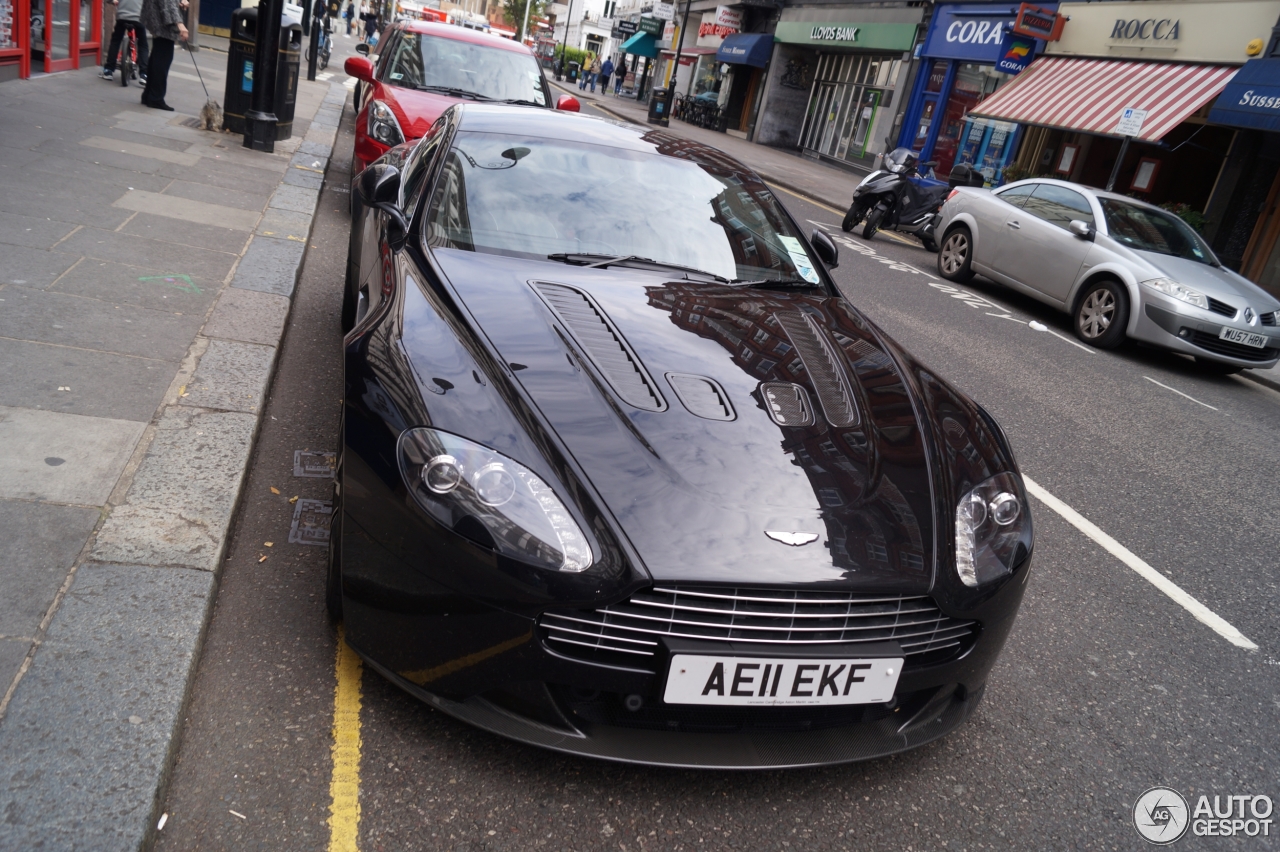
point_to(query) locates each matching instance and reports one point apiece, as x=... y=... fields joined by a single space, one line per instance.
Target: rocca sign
x=1134 y=29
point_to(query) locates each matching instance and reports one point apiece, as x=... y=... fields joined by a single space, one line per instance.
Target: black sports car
x=623 y=475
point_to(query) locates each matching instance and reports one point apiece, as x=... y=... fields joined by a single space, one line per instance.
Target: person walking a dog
x=163 y=19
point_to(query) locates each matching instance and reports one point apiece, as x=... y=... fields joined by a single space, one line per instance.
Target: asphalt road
x=1108 y=685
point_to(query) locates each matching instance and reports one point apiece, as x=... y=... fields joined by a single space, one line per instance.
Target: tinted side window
x=1059 y=205
x=419 y=166
x=1018 y=195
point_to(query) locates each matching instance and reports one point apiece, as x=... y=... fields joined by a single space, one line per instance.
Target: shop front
x=1246 y=205
x=832 y=83
x=969 y=52
x=1123 y=101
x=48 y=35
x=747 y=57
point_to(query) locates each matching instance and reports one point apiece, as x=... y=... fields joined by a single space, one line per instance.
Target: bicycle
x=129 y=58
x=325 y=46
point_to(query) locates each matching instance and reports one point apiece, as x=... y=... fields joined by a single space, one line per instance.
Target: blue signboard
x=971 y=31
x=1016 y=53
x=1252 y=98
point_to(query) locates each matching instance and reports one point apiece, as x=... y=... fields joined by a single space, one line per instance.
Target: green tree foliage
x=513 y=10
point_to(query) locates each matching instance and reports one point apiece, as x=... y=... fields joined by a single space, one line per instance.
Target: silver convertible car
x=1120 y=267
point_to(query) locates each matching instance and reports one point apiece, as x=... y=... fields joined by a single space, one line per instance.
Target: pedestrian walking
x=350 y=16
x=605 y=71
x=370 y=27
x=620 y=72
x=584 y=71
x=595 y=73
x=127 y=13
x=163 y=19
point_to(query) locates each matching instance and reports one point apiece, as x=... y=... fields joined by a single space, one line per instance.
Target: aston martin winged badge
x=795 y=539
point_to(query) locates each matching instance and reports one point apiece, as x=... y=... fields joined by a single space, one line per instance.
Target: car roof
x=1087 y=190
x=456 y=33
x=575 y=127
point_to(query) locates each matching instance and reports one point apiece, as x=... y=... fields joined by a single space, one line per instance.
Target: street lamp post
x=260 y=121
x=564 y=43
x=525 y=26
x=675 y=71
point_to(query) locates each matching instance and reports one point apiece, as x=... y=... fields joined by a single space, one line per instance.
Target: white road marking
x=1179 y=393
x=324 y=76
x=1074 y=343
x=1201 y=612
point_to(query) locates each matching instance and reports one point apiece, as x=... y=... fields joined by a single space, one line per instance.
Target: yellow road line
x=344 y=786
x=816 y=203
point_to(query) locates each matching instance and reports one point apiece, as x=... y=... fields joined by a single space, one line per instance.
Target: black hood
x=662 y=392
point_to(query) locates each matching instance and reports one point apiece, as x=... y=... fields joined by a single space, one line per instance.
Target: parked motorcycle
x=888 y=198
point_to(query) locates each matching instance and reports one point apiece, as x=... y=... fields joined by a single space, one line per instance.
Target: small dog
x=211 y=116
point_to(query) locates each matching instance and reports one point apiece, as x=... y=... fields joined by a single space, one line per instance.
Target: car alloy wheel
x=954 y=258
x=1102 y=315
x=1096 y=314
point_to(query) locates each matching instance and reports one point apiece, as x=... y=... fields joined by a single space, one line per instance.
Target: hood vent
x=603 y=344
x=823 y=365
x=787 y=403
x=702 y=396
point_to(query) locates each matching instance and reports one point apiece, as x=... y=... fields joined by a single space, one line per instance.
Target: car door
x=992 y=210
x=1038 y=251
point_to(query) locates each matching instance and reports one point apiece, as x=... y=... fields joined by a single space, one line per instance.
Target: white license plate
x=1235 y=335
x=766 y=682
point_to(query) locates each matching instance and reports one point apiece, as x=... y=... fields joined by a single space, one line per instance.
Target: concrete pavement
x=146 y=271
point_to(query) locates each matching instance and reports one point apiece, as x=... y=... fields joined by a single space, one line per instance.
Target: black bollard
x=260 y=122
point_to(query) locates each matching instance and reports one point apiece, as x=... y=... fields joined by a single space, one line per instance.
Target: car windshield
x=534 y=197
x=430 y=62
x=1147 y=229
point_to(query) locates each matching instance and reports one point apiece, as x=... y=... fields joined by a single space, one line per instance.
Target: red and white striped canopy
x=1089 y=94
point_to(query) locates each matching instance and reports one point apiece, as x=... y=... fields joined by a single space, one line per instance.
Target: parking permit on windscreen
x=800 y=258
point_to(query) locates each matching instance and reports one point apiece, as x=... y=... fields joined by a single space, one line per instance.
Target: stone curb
x=91 y=732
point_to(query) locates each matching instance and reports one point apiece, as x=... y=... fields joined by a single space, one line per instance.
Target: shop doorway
x=62 y=31
x=1262 y=257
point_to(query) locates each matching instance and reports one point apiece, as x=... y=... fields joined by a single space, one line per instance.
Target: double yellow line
x=344 y=785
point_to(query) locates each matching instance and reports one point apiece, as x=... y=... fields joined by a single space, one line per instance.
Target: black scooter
x=889 y=199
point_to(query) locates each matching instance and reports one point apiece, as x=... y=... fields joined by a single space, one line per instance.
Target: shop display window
x=848 y=93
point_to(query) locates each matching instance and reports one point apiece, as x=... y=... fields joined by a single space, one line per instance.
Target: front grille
x=1269 y=319
x=1221 y=307
x=1215 y=344
x=628 y=633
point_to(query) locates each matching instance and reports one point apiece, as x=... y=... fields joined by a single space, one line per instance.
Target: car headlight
x=383 y=126
x=993 y=530
x=1178 y=291
x=491 y=499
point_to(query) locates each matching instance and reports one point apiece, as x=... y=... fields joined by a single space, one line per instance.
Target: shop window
x=1058 y=205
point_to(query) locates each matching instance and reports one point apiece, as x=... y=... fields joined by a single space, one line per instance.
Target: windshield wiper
x=603 y=261
x=785 y=283
x=524 y=101
x=457 y=93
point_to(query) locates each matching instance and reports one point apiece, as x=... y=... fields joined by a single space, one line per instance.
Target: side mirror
x=380 y=184
x=826 y=250
x=359 y=67
x=568 y=103
x=362 y=49
x=380 y=188
x=1081 y=229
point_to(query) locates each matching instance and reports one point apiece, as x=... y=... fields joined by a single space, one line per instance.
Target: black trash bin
x=238 y=95
x=658 y=107
x=572 y=73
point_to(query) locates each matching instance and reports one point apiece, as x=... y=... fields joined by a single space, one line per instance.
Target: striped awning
x=1089 y=94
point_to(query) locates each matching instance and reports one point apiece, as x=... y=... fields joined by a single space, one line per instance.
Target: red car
x=424 y=68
